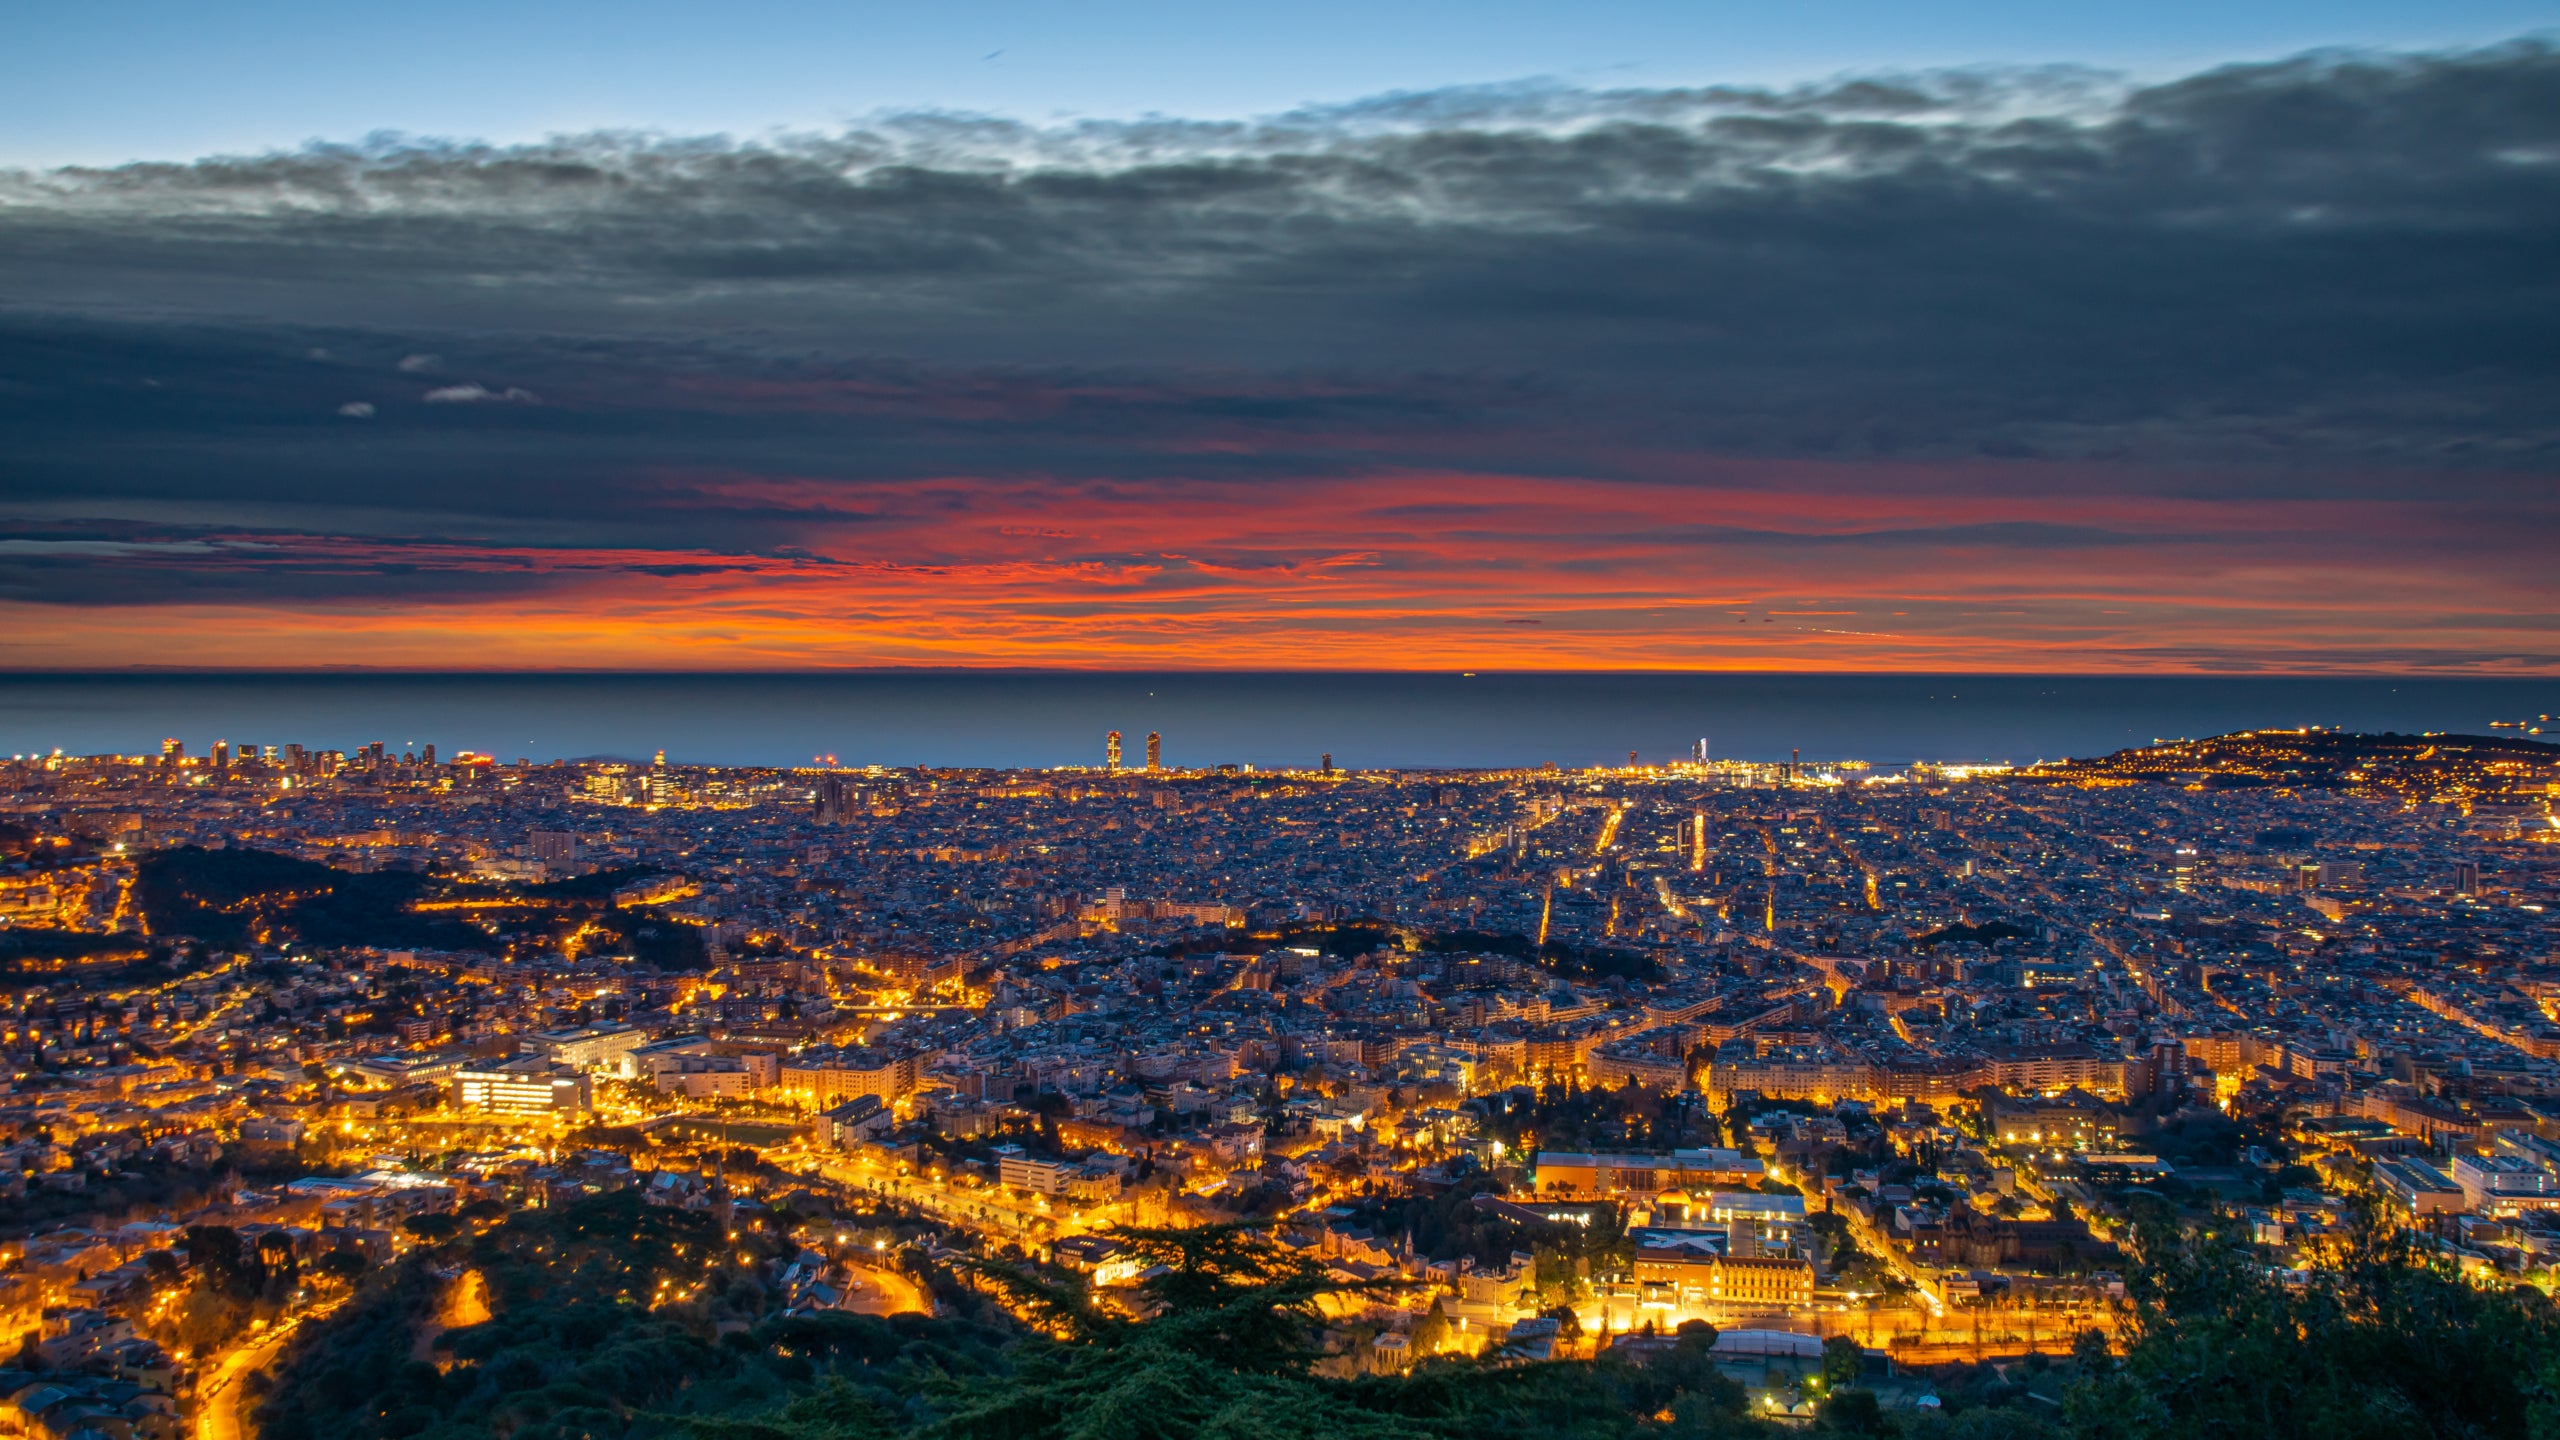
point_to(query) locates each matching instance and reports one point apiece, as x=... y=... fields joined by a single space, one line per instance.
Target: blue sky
x=101 y=83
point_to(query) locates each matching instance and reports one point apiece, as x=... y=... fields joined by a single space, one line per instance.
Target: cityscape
x=1535 y=1064
x=1632 y=720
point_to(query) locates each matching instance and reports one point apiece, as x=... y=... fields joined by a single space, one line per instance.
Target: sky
x=1636 y=336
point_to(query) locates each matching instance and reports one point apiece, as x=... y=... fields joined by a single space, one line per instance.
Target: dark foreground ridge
x=609 y=1317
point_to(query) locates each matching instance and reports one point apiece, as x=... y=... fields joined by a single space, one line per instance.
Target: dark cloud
x=2025 y=261
x=2330 y=276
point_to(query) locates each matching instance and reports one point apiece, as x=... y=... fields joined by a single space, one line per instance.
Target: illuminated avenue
x=1802 y=1049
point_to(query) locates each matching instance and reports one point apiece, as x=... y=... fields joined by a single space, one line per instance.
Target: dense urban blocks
x=1716 y=1087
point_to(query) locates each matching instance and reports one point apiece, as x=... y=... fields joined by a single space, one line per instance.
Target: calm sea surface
x=1017 y=718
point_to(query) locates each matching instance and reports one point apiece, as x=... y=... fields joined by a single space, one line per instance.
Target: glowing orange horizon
x=1777 y=566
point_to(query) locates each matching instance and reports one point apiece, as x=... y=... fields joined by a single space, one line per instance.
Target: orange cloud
x=1776 y=565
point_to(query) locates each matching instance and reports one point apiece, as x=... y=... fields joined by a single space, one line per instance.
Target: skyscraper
x=1328 y=764
x=835 y=798
x=1111 y=752
x=1155 y=752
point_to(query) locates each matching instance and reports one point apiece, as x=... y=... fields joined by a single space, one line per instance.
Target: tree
x=2387 y=1340
x=1568 y=1324
x=1854 y=1410
x=435 y=1229
x=1430 y=1333
x=1842 y=1362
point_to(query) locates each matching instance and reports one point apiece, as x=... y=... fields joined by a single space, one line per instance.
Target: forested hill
x=2393 y=766
x=608 y=1318
x=240 y=897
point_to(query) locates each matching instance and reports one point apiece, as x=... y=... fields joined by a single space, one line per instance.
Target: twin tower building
x=1111 y=760
x=1111 y=752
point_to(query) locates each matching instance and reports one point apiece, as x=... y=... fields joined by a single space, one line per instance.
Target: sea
x=1271 y=720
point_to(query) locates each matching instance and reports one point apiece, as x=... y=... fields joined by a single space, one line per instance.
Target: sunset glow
x=1989 y=567
x=1829 y=378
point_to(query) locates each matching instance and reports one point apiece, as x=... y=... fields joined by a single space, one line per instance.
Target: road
x=219 y=1401
x=885 y=1292
x=987 y=1211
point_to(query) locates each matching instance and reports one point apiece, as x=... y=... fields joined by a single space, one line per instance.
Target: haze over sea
x=1019 y=718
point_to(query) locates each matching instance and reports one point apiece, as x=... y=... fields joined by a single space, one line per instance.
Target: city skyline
x=1442 y=721
x=1891 y=1069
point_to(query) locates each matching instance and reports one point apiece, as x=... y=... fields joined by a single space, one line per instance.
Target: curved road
x=882 y=1292
x=218 y=1399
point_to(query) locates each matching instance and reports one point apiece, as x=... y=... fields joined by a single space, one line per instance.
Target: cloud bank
x=2002 y=370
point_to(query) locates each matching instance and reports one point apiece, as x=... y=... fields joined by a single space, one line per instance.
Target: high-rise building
x=553 y=847
x=1698 y=835
x=1700 y=754
x=1155 y=752
x=221 y=754
x=427 y=755
x=2466 y=877
x=837 y=799
x=173 y=749
x=1325 y=765
x=1111 y=752
x=293 y=758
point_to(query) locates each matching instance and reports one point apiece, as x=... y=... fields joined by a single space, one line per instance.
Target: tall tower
x=835 y=800
x=1155 y=752
x=1698 y=842
x=1111 y=752
x=1327 y=763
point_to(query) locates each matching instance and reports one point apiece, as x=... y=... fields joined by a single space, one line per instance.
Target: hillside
x=242 y=897
x=2463 y=769
x=609 y=1318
